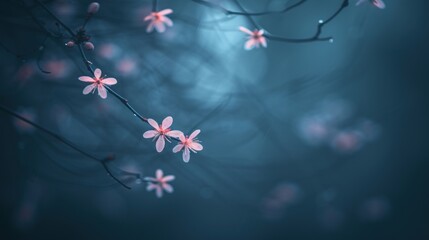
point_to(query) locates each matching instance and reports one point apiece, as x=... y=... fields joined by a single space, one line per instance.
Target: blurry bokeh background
x=301 y=141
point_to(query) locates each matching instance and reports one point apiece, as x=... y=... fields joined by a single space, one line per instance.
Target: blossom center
x=163 y=131
x=256 y=36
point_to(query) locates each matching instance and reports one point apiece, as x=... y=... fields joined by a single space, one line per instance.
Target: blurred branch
x=243 y=13
x=67 y=142
x=316 y=37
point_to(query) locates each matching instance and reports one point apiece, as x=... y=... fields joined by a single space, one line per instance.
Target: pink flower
x=160 y=183
x=93 y=8
x=158 y=19
x=97 y=82
x=256 y=38
x=188 y=144
x=88 y=46
x=70 y=44
x=378 y=3
x=161 y=132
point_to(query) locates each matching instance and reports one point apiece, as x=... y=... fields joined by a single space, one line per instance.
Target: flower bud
x=88 y=45
x=70 y=44
x=93 y=8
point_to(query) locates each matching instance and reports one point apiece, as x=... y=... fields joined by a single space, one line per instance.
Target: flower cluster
x=81 y=37
x=159 y=183
x=162 y=133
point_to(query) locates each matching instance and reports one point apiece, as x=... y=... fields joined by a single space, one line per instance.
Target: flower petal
x=169 y=178
x=165 y=11
x=263 y=41
x=150 y=179
x=174 y=133
x=167 y=187
x=166 y=123
x=109 y=81
x=186 y=155
x=159 y=174
x=150 y=134
x=182 y=137
x=249 y=44
x=159 y=191
x=153 y=123
x=245 y=30
x=151 y=186
x=148 y=17
x=194 y=134
x=379 y=3
x=102 y=91
x=168 y=21
x=150 y=27
x=97 y=73
x=159 y=27
x=160 y=143
x=178 y=147
x=89 y=88
x=196 y=146
x=360 y=2
x=86 y=79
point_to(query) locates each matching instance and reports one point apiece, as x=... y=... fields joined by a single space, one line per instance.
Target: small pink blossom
x=160 y=183
x=255 y=38
x=88 y=46
x=93 y=8
x=378 y=3
x=70 y=44
x=188 y=144
x=162 y=132
x=158 y=19
x=97 y=82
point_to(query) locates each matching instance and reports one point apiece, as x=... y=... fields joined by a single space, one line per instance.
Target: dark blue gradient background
x=252 y=108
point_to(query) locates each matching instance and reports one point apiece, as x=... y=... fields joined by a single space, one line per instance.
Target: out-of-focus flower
x=331 y=218
x=158 y=20
x=97 y=82
x=347 y=141
x=281 y=197
x=162 y=132
x=378 y=3
x=23 y=126
x=255 y=38
x=70 y=43
x=188 y=144
x=375 y=209
x=93 y=8
x=160 y=183
x=88 y=46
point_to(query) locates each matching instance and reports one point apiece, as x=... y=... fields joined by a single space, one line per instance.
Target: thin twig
x=316 y=36
x=154 y=5
x=66 y=142
x=243 y=13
